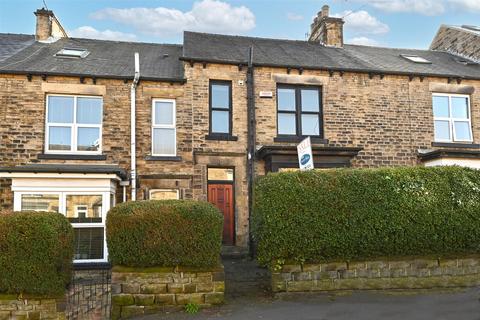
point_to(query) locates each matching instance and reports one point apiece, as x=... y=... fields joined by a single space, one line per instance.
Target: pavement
x=248 y=299
x=463 y=305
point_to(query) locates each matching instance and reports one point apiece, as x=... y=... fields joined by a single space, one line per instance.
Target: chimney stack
x=327 y=30
x=48 y=27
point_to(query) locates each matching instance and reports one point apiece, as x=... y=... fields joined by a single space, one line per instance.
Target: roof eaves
x=219 y=61
x=99 y=76
x=326 y=68
x=368 y=71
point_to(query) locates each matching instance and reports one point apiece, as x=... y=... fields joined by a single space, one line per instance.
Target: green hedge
x=349 y=214
x=36 y=253
x=164 y=233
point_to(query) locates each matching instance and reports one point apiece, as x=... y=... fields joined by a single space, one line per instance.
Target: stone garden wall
x=36 y=308
x=152 y=290
x=87 y=297
x=378 y=275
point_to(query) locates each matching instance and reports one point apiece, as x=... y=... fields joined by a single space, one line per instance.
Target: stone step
x=234 y=252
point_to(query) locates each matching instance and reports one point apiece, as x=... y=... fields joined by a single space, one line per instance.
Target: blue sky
x=392 y=23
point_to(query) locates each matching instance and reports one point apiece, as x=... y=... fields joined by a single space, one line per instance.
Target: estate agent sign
x=305 y=158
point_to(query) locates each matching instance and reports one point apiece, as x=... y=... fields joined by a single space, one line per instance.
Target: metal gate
x=89 y=294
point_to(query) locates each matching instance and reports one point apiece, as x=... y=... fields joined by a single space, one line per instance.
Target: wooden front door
x=221 y=195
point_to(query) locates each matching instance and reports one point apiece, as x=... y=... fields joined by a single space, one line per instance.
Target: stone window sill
x=163 y=158
x=224 y=137
x=456 y=145
x=92 y=265
x=51 y=156
x=297 y=139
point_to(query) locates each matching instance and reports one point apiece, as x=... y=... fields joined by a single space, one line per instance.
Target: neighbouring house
x=212 y=114
x=463 y=41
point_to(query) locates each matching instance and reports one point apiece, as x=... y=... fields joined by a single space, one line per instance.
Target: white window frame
x=452 y=120
x=164 y=126
x=62 y=208
x=156 y=190
x=17 y=199
x=73 y=127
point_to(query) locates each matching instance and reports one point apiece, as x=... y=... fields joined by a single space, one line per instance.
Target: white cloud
x=361 y=22
x=425 y=7
x=364 y=41
x=206 y=16
x=465 y=5
x=294 y=17
x=92 y=33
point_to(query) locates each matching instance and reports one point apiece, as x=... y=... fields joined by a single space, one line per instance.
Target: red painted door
x=221 y=195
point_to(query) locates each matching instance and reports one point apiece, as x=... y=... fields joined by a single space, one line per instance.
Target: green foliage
x=346 y=214
x=165 y=233
x=192 y=308
x=36 y=253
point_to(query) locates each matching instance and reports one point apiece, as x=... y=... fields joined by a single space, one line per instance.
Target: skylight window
x=472 y=28
x=414 y=58
x=72 y=53
x=465 y=61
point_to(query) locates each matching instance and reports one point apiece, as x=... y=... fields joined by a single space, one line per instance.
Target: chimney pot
x=327 y=30
x=44 y=24
x=48 y=27
x=325 y=11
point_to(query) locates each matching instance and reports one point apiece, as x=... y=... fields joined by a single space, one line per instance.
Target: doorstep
x=234 y=252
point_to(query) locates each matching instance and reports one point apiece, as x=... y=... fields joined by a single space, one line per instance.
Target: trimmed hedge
x=164 y=233
x=36 y=253
x=349 y=214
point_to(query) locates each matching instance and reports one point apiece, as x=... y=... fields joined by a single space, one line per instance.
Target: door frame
x=232 y=183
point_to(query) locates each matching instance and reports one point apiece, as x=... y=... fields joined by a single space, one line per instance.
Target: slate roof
x=114 y=59
x=107 y=59
x=292 y=53
x=67 y=168
x=12 y=43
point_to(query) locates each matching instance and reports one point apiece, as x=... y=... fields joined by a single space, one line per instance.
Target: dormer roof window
x=415 y=58
x=72 y=53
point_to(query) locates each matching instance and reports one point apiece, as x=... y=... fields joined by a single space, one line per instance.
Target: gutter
x=251 y=143
x=133 y=88
x=83 y=75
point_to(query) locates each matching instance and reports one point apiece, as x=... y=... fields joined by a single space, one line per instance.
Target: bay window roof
x=66 y=168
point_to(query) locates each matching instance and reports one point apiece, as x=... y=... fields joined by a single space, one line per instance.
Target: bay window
x=86 y=211
x=452 y=119
x=73 y=124
x=164 y=140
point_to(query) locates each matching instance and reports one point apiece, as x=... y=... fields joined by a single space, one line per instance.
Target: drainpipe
x=251 y=142
x=133 y=160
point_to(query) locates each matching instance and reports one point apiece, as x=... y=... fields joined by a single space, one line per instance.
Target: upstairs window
x=452 y=119
x=74 y=124
x=220 y=108
x=164 y=132
x=299 y=111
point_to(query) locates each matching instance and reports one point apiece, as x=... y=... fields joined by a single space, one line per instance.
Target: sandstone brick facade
x=388 y=117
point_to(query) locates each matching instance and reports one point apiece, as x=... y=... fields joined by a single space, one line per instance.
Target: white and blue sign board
x=305 y=157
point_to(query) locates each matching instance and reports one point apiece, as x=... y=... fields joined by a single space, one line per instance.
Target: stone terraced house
x=81 y=130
